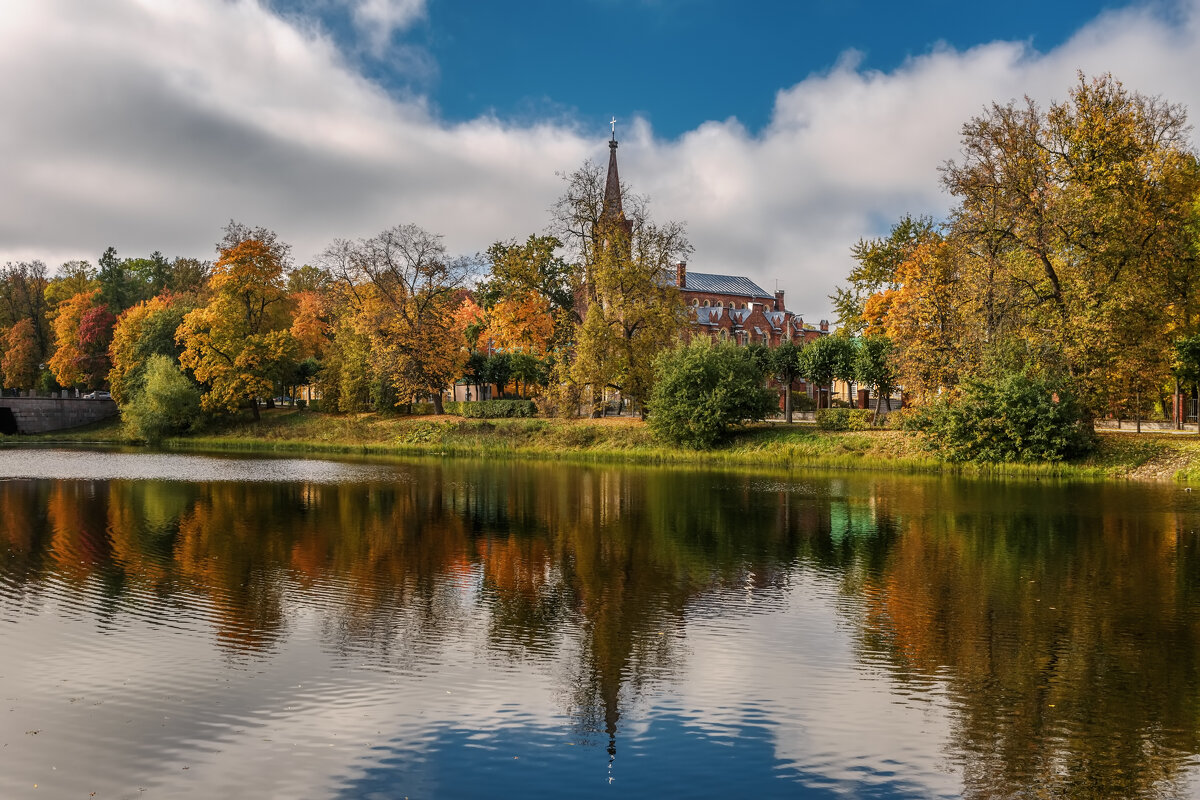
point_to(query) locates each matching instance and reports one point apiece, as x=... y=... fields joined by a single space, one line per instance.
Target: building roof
x=724 y=284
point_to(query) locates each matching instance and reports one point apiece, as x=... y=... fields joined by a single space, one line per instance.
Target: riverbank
x=1121 y=455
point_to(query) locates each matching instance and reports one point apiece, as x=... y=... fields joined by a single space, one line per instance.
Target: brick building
x=735 y=308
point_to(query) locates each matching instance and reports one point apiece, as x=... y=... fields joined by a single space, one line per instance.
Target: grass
x=1151 y=456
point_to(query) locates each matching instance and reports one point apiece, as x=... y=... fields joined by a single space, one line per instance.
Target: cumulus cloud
x=148 y=125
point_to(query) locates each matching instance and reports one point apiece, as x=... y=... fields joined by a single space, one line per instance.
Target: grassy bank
x=1157 y=456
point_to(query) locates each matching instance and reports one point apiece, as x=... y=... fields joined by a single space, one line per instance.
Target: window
x=706 y=304
x=724 y=335
x=695 y=302
x=720 y=304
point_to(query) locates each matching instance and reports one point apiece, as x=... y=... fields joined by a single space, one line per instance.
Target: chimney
x=779 y=299
x=825 y=326
x=681 y=274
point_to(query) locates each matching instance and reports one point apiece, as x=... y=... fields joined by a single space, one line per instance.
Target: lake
x=190 y=626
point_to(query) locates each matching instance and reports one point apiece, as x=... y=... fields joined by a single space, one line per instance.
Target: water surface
x=189 y=626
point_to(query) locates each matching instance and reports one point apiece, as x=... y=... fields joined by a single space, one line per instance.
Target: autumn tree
x=147 y=329
x=634 y=309
x=95 y=335
x=23 y=287
x=71 y=278
x=876 y=273
x=238 y=344
x=403 y=291
x=1069 y=226
x=66 y=364
x=21 y=356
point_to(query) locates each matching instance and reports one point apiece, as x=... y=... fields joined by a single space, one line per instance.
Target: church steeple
x=612 y=212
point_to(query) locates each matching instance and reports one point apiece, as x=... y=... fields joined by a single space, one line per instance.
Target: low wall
x=42 y=414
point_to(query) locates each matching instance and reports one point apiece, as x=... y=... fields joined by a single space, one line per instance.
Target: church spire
x=612 y=211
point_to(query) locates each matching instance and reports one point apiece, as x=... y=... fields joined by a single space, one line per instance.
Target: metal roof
x=724 y=284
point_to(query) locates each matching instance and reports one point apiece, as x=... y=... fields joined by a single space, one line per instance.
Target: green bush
x=1011 y=418
x=701 y=390
x=844 y=419
x=492 y=409
x=802 y=402
x=168 y=402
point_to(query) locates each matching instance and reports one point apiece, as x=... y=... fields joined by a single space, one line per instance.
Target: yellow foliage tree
x=239 y=344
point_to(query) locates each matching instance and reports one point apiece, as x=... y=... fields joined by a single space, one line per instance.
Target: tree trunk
x=437 y=404
x=1177 y=401
x=254 y=408
x=787 y=402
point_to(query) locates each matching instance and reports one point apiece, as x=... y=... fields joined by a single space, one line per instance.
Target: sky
x=780 y=133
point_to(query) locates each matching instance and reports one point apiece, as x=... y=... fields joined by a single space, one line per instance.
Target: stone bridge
x=42 y=414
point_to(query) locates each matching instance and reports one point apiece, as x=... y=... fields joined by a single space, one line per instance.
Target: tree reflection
x=1062 y=621
x=1065 y=629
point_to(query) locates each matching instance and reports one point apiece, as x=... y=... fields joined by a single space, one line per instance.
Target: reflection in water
x=1056 y=628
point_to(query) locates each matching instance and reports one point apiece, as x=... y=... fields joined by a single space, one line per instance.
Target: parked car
x=99 y=394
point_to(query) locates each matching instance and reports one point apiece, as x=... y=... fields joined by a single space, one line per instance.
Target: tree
x=73 y=277
x=1187 y=361
x=21 y=356
x=926 y=320
x=23 y=296
x=1070 y=225
x=498 y=370
x=785 y=367
x=703 y=389
x=147 y=329
x=95 y=335
x=167 y=404
x=879 y=262
x=238 y=345
x=530 y=272
x=405 y=291
x=825 y=360
x=635 y=311
x=874 y=369
x=119 y=287
x=67 y=362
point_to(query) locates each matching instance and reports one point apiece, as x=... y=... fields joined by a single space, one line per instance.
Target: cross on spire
x=613 y=122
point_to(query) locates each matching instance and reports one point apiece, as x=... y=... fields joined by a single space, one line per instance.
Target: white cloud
x=147 y=125
x=379 y=19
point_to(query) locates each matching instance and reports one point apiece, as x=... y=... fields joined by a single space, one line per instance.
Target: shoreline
x=1165 y=456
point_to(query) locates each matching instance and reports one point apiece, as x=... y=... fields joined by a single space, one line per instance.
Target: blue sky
x=676 y=63
x=778 y=133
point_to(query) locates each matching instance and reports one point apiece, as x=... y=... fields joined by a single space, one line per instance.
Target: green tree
x=825 y=360
x=785 y=368
x=875 y=370
x=167 y=404
x=703 y=389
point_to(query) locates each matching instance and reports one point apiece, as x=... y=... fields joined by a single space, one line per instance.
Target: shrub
x=492 y=409
x=702 y=389
x=167 y=404
x=844 y=419
x=1011 y=418
x=802 y=402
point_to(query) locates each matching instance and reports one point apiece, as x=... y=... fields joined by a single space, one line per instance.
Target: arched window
x=706 y=304
x=720 y=304
x=695 y=301
x=724 y=335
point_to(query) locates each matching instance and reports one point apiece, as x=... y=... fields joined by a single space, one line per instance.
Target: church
x=724 y=307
